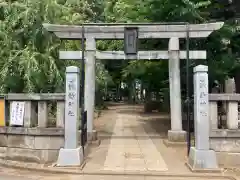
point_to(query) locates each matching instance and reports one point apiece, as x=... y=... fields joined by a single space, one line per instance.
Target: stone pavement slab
x=132 y=153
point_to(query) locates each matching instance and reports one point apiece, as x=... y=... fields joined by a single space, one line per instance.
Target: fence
x=41 y=110
x=224 y=123
x=42 y=134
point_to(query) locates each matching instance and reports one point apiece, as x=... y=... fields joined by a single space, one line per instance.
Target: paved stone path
x=131 y=141
x=133 y=153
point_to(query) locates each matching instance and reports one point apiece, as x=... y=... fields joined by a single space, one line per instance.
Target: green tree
x=222 y=46
x=29 y=55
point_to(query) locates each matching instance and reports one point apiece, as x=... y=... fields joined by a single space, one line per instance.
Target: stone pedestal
x=70 y=157
x=202 y=159
x=177 y=136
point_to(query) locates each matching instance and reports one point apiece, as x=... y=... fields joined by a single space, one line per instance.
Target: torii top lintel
x=145 y=31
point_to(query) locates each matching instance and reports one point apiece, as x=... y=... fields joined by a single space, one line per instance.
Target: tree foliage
x=222 y=46
x=29 y=55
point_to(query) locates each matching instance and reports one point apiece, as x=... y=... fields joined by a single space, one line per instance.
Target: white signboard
x=17 y=113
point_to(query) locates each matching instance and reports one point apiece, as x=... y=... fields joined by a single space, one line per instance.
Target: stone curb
x=219 y=170
x=78 y=171
x=168 y=143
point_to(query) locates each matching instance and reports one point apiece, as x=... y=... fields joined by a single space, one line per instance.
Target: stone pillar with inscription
x=201 y=157
x=71 y=154
x=176 y=134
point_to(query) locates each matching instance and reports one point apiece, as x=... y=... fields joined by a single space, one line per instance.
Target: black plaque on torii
x=131 y=40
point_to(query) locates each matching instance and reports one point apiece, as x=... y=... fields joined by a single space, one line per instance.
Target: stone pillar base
x=92 y=136
x=93 y=139
x=70 y=157
x=177 y=136
x=202 y=160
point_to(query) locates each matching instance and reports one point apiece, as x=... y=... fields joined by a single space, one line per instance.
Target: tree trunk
x=141 y=92
x=237 y=82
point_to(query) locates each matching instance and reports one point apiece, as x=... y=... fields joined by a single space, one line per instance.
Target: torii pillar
x=89 y=90
x=176 y=134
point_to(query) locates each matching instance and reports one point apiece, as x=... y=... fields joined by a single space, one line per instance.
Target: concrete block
x=225 y=144
x=225 y=133
x=29 y=155
x=48 y=156
x=28 y=142
x=202 y=159
x=3 y=151
x=16 y=141
x=48 y=142
x=21 y=154
x=3 y=140
x=45 y=131
x=177 y=136
x=70 y=157
x=92 y=136
x=16 y=130
x=21 y=141
x=228 y=159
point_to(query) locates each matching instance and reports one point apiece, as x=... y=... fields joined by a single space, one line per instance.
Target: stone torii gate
x=94 y=32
